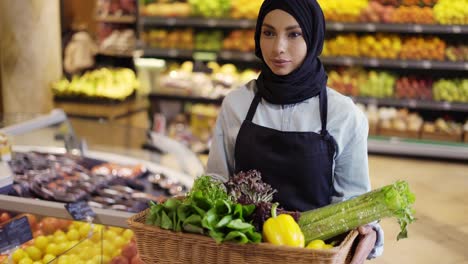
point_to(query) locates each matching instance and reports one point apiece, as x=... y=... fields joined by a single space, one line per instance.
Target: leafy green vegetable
x=207 y=209
x=211 y=189
x=393 y=200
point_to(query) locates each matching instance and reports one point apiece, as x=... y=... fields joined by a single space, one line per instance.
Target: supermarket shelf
x=151 y=21
x=116 y=19
x=414 y=104
x=185 y=98
x=345 y=61
x=190 y=54
x=56 y=209
x=112 y=53
x=418 y=148
x=396 y=28
x=197 y=22
x=405 y=64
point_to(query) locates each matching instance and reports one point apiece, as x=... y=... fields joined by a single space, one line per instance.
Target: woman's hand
x=367 y=238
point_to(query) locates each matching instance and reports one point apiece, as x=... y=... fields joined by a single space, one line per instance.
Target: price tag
x=466 y=66
x=15 y=233
x=456 y=29
x=370 y=27
x=404 y=64
x=348 y=61
x=248 y=57
x=212 y=22
x=338 y=26
x=171 y=21
x=417 y=28
x=173 y=53
x=227 y=55
x=374 y=62
x=205 y=56
x=373 y=101
x=244 y=23
x=426 y=64
x=446 y=105
x=80 y=210
x=412 y=103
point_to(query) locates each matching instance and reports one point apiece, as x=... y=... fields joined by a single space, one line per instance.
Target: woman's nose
x=280 y=45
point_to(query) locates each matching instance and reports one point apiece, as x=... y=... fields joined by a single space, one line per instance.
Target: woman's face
x=281 y=41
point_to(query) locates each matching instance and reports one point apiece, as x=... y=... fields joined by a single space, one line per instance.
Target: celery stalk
x=393 y=200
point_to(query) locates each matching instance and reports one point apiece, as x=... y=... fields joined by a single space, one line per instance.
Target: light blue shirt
x=345 y=122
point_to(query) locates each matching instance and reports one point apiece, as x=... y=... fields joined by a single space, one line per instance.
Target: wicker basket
x=157 y=245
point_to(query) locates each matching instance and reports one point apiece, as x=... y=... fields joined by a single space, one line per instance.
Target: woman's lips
x=280 y=62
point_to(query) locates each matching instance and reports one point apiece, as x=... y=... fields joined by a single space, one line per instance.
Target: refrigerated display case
x=115 y=169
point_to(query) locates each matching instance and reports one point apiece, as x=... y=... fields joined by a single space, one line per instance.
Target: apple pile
x=245 y=8
x=378 y=85
x=451 y=90
x=413 y=88
x=240 y=40
x=457 y=52
x=165 y=39
x=210 y=8
x=209 y=40
x=423 y=48
x=376 y=12
x=346 y=81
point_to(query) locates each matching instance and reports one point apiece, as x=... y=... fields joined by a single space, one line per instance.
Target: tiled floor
x=440 y=235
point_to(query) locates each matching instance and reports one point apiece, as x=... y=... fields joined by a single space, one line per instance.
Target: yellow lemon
x=316 y=244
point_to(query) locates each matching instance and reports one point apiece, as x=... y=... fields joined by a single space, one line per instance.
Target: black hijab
x=309 y=78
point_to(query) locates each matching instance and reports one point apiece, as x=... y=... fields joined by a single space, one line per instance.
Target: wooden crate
x=398 y=133
x=442 y=136
x=108 y=111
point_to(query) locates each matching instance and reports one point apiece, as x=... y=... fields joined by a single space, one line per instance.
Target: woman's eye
x=267 y=33
x=295 y=34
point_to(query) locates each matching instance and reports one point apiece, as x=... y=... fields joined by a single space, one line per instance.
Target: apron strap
x=323 y=102
x=253 y=107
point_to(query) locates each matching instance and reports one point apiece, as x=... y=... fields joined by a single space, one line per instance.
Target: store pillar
x=30 y=54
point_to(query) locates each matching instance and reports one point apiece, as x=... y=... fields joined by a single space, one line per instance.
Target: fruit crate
x=156 y=245
x=399 y=133
x=441 y=136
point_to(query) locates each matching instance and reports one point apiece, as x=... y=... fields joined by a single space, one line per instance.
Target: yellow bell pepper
x=282 y=230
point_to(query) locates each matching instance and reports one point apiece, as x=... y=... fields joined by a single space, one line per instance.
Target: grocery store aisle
x=440 y=235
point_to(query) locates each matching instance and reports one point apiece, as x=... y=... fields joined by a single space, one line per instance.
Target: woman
x=308 y=141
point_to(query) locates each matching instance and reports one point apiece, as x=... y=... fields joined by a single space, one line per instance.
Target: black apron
x=297 y=164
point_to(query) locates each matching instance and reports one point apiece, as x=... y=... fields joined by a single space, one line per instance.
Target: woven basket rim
x=350 y=237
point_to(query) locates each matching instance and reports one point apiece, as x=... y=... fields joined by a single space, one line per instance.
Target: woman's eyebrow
x=287 y=28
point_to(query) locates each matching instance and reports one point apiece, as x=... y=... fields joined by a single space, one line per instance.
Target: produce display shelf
x=113 y=53
x=399 y=64
x=56 y=209
x=414 y=104
x=191 y=54
x=184 y=98
x=344 y=61
x=150 y=21
x=127 y=19
x=197 y=22
x=397 y=28
x=418 y=148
